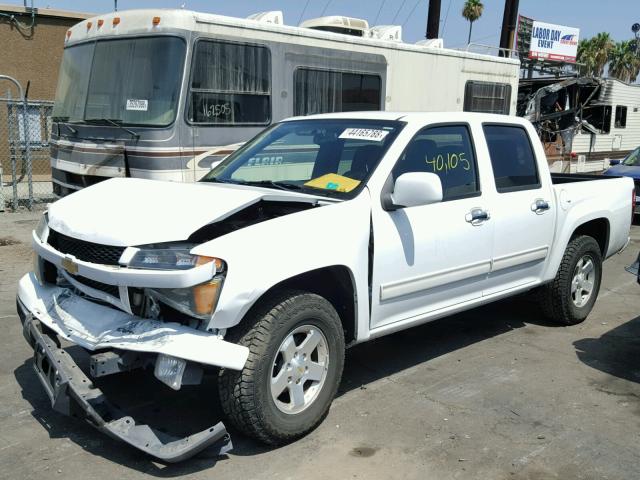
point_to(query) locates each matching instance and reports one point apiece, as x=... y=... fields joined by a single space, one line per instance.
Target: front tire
x=569 y=298
x=296 y=356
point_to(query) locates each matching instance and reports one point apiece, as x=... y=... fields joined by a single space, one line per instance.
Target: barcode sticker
x=364 y=134
x=136 y=104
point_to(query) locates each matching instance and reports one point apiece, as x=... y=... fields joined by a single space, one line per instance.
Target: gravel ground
x=494 y=393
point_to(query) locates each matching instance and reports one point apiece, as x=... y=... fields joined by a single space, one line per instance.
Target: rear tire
x=286 y=387
x=569 y=298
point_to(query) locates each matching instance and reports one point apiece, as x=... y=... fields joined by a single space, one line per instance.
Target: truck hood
x=130 y=211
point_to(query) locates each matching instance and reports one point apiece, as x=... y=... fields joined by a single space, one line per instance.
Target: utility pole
x=509 y=21
x=433 y=19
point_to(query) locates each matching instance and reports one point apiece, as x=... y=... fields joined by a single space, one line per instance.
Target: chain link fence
x=25 y=169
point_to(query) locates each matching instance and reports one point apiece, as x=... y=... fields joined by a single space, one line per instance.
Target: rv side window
x=230 y=84
x=621 y=116
x=600 y=117
x=323 y=91
x=487 y=97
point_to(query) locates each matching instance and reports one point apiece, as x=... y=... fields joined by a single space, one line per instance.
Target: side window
x=324 y=91
x=487 y=97
x=621 y=116
x=230 y=84
x=512 y=158
x=447 y=152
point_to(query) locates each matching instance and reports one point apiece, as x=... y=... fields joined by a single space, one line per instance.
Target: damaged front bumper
x=49 y=311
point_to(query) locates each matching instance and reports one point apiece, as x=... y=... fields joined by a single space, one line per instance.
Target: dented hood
x=131 y=211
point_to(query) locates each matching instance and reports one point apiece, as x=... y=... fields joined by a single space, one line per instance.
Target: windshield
x=327 y=157
x=132 y=81
x=633 y=159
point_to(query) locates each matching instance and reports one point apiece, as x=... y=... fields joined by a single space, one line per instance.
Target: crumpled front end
x=49 y=313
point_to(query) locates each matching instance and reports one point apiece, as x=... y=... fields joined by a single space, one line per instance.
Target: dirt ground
x=495 y=393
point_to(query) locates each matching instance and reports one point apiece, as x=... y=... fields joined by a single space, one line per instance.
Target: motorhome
x=584 y=123
x=165 y=94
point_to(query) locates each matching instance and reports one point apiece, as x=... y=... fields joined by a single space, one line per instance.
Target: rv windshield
x=328 y=157
x=131 y=81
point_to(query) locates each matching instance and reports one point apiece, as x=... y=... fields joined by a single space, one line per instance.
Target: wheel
x=296 y=356
x=569 y=298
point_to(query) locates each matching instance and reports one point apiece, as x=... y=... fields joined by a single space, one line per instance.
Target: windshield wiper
x=276 y=184
x=115 y=123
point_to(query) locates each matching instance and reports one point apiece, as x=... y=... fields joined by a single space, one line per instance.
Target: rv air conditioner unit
x=387 y=32
x=337 y=24
x=431 y=43
x=275 y=17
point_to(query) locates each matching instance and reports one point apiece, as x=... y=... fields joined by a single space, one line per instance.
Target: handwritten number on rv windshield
x=216 y=110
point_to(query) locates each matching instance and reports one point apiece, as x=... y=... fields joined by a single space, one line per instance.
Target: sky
x=591 y=16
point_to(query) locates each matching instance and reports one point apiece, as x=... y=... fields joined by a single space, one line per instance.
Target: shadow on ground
x=195 y=408
x=616 y=353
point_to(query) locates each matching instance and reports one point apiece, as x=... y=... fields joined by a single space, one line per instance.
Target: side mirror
x=615 y=162
x=414 y=189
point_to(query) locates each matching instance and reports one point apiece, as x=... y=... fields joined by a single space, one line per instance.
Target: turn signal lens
x=116 y=21
x=68 y=34
x=155 y=21
x=89 y=25
x=205 y=296
x=219 y=264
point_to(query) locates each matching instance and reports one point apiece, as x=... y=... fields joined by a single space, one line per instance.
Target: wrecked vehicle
x=320 y=233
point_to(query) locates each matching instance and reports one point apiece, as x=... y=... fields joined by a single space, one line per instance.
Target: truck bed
x=560 y=178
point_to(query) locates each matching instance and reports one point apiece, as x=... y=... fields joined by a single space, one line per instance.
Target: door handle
x=540 y=206
x=477 y=216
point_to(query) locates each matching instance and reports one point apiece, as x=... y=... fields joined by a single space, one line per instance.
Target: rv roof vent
x=431 y=43
x=387 y=32
x=338 y=24
x=275 y=17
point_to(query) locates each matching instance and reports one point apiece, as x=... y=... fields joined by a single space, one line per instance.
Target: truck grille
x=103 y=287
x=85 y=251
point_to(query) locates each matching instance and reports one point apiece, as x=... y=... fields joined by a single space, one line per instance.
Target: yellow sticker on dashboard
x=333 y=181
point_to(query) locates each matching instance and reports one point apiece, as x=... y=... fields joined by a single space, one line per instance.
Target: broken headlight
x=42 y=230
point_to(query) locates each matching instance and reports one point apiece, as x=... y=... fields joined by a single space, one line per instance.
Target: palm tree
x=472 y=11
x=593 y=53
x=624 y=64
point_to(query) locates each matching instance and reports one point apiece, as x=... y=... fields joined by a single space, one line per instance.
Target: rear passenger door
x=523 y=212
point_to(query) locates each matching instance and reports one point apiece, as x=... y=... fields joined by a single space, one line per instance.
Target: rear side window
x=447 y=152
x=512 y=158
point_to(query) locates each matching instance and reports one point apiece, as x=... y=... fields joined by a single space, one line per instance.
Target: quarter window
x=512 y=158
x=324 y=91
x=487 y=97
x=621 y=116
x=230 y=84
x=447 y=152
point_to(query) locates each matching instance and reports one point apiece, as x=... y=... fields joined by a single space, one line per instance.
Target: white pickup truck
x=320 y=233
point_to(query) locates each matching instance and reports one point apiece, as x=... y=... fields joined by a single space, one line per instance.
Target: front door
x=427 y=258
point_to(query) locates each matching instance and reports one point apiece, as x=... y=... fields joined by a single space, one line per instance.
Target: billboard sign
x=553 y=42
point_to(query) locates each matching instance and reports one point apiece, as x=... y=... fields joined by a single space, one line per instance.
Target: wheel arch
x=598 y=229
x=335 y=283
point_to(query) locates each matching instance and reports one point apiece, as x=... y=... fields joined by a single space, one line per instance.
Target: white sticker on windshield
x=136 y=104
x=364 y=134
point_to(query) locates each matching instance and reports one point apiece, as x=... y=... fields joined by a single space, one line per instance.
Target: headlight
x=170 y=258
x=42 y=230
